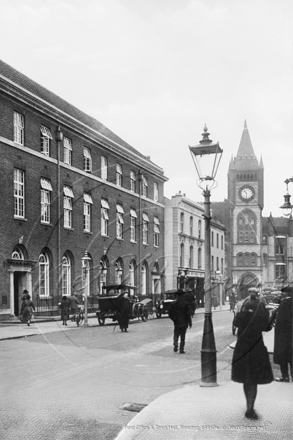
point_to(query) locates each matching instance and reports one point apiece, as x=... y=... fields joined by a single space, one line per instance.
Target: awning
x=68 y=191
x=120 y=218
x=46 y=132
x=105 y=204
x=145 y=217
x=105 y=214
x=46 y=184
x=156 y=229
x=156 y=221
x=87 y=198
x=133 y=213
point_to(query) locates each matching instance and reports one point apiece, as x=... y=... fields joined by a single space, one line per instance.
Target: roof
x=245 y=159
x=12 y=75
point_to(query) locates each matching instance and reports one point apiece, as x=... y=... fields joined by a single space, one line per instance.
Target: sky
x=156 y=71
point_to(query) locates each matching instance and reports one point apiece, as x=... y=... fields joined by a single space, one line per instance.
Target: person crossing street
x=180 y=314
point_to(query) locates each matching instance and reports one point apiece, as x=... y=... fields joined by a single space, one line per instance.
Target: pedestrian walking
x=283 y=336
x=123 y=313
x=28 y=309
x=232 y=300
x=65 y=306
x=180 y=314
x=74 y=304
x=250 y=364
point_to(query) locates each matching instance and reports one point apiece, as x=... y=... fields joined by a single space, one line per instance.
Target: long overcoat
x=251 y=361
x=124 y=313
x=65 y=307
x=283 y=333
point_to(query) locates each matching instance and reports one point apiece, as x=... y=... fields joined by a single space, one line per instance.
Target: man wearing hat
x=283 y=336
x=180 y=315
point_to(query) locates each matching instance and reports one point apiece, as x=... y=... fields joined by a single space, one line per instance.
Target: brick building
x=70 y=185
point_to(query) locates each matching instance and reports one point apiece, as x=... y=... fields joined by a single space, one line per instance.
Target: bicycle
x=78 y=316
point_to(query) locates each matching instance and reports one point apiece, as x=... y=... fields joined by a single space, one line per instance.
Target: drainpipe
x=59 y=139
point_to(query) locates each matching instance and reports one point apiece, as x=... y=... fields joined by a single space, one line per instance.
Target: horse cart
x=110 y=303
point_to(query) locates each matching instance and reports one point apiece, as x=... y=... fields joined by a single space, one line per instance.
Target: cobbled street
x=73 y=384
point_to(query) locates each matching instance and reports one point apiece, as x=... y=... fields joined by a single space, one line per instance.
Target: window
x=253 y=259
x=87 y=203
x=143 y=279
x=156 y=232
x=104 y=217
x=240 y=259
x=119 y=221
x=212 y=264
x=118 y=272
x=144 y=186
x=43 y=274
x=191 y=226
x=217 y=240
x=199 y=258
x=67 y=151
x=131 y=273
x=45 y=140
x=18 y=123
x=191 y=257
x=87 y=160
x=212 y=239
x=46 y=189
x=246 y=259
x=222 y=266
x=67 y=206
x=118 y=175
x=133 y=217
x=218 y=267
x=222 y=243
x=280 y=270
x=145 y=227
x=182 y=222
x=66 y=276
x=279 y=246
x=156 y=192
x=132 y=181
x=182 y=251
x=246 y=227
x=199 y=229
x=104 y=168
x=18 y=193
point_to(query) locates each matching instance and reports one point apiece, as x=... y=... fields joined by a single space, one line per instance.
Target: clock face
x=246 y=193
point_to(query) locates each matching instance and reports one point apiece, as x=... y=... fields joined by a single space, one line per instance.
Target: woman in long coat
x=251 y=364
x=28 y=308
x=283 y=336
x=65 y=306
x=124 y=312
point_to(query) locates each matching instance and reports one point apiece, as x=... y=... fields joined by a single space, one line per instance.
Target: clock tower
x=245 y=194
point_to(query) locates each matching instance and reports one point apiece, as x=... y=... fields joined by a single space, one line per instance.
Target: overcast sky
x=156 y=71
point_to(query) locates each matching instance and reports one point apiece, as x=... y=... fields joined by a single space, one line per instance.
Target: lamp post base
x=208 y=354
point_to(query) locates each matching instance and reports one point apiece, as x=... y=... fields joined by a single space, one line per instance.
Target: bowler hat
x=287 y=289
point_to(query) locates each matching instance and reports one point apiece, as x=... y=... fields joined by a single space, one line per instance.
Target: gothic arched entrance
x=246 y=281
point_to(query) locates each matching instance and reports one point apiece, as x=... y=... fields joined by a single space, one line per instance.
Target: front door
x=19 y=284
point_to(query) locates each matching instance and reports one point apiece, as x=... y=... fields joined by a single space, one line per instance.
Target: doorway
x=19 y=284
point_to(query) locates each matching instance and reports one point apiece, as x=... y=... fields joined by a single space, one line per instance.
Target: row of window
x=68 y=196
x=191 y=226
x=246 y=259
x=246 y=227
x=45 y=141
x=46 y=264
x=217 y=240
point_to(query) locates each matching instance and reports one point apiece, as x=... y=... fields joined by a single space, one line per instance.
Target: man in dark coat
x=124 y=312
x=180 y=315
x=283 y=336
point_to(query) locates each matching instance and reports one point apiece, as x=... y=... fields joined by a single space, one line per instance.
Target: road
x=74 y=384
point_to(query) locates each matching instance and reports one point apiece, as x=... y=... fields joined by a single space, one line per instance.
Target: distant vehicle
x=163 y=305
x=110 y=303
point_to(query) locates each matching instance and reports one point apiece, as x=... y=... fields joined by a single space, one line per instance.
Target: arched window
x=131 y=273
x=199 y=258
x=103 y=274
x=199 y=228
x=240 y=259
x=143 y=279
x=191 y=257
x=191 y=226
x=118 y=272
x=246 y=259
x=182 y=255
x=44 y=274
x=253 y=258
x=66 y=275
x=246 y=222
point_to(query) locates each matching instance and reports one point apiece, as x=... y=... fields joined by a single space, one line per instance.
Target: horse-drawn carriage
x=110 y=303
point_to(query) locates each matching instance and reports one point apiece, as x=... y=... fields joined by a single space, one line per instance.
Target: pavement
x=193 y=412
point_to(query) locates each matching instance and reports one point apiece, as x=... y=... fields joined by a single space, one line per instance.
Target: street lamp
x=207 y=154
x=85 y=266
x=287 y=207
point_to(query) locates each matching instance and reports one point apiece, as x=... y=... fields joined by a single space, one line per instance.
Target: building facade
x=70 y=185
x=185 y=246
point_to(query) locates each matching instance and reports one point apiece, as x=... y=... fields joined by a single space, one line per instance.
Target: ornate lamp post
x=287 y=207
x=85 y=266
x=207 y=153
